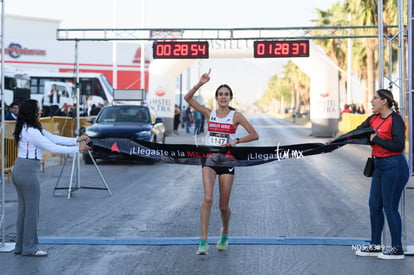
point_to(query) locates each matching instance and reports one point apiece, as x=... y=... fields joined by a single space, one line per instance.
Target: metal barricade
x=62 y=126
x=350 y=121
x=10 y=149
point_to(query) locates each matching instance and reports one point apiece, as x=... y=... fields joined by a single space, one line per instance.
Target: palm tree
x=336 y=49
x=366 y=14
x=363 y=13
x=390 y=17
x=364 y=61
x=277 y=93
x=292 y=85
x=334 y=16
x=299 y=83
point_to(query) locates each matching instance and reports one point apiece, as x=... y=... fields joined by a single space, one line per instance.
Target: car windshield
x=124 y=114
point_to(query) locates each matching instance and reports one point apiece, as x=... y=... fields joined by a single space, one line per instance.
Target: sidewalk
x=182 y=137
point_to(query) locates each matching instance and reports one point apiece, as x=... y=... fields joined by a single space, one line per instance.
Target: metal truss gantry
x=188 y=34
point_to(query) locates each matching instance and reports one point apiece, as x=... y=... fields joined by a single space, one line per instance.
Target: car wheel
x=87 y=158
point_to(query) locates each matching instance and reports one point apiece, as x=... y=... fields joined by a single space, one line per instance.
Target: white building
x=30 y=45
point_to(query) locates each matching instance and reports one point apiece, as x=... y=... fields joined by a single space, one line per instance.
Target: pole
x=181 y=92
x=349 y=69
x=77 y=105
x=4 y=247
x=142 y=61
x=114 y=50
x=2 y=127
x=408 y=249
x=380 y=45
x=381 y=78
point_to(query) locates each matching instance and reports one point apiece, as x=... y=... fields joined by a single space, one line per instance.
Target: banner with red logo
x=224 y=156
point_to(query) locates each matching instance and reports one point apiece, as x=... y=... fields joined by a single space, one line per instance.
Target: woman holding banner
x=31 y=140
x=222 y=125
x=390 y=175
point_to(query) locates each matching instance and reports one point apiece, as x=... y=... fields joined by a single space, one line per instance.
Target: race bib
x=218 y=139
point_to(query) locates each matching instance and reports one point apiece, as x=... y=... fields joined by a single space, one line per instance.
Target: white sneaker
x=39 y=253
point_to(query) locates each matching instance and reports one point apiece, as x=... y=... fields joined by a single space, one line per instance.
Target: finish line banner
x=224 y=156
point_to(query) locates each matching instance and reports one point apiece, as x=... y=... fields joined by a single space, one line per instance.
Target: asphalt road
x=288 y=217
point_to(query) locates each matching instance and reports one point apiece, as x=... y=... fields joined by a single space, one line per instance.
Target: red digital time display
x=281 y=48
x=189 y=49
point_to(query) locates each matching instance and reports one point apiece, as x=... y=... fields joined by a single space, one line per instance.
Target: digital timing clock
x=281 y=48
x=189 y=49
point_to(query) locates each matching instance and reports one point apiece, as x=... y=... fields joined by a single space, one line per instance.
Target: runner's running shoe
x=223 y=242
x=202 y=248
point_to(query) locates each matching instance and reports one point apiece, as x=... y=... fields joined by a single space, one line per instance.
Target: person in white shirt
x=31 y=140
x=222 y=125
x=54 y=100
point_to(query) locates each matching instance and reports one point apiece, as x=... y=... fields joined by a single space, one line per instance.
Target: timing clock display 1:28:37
x=188 y=49
x=281 y=48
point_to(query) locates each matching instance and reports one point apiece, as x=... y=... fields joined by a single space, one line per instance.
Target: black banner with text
x=225 y=156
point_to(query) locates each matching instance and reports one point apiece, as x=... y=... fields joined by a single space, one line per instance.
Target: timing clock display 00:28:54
x=188 y=49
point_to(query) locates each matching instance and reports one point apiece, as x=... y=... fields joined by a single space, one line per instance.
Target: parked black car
x=134 y=122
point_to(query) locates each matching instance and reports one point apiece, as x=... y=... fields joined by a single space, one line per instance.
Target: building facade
x=30 y=44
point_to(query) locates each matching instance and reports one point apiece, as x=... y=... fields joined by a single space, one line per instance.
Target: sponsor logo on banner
x=161 y=103
x=159 y=93
x=324 y=94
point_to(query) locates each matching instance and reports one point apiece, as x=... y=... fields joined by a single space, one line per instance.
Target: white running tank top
x=220 y=130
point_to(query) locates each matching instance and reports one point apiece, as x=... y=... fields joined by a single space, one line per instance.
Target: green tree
x=365 y=13
x=288 y=89
x=277 y=93
x=299 y=84
x=335 y=48
x=364 y=59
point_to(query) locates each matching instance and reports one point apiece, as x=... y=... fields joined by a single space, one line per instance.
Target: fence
x=350 y=121
x=63 y=126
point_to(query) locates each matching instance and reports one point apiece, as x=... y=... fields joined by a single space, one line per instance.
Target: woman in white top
x=31 y=140
x=222 y=125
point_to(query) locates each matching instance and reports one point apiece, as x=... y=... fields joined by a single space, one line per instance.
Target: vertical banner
x=161 y=98
x=324 y=91
x=162 y=87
